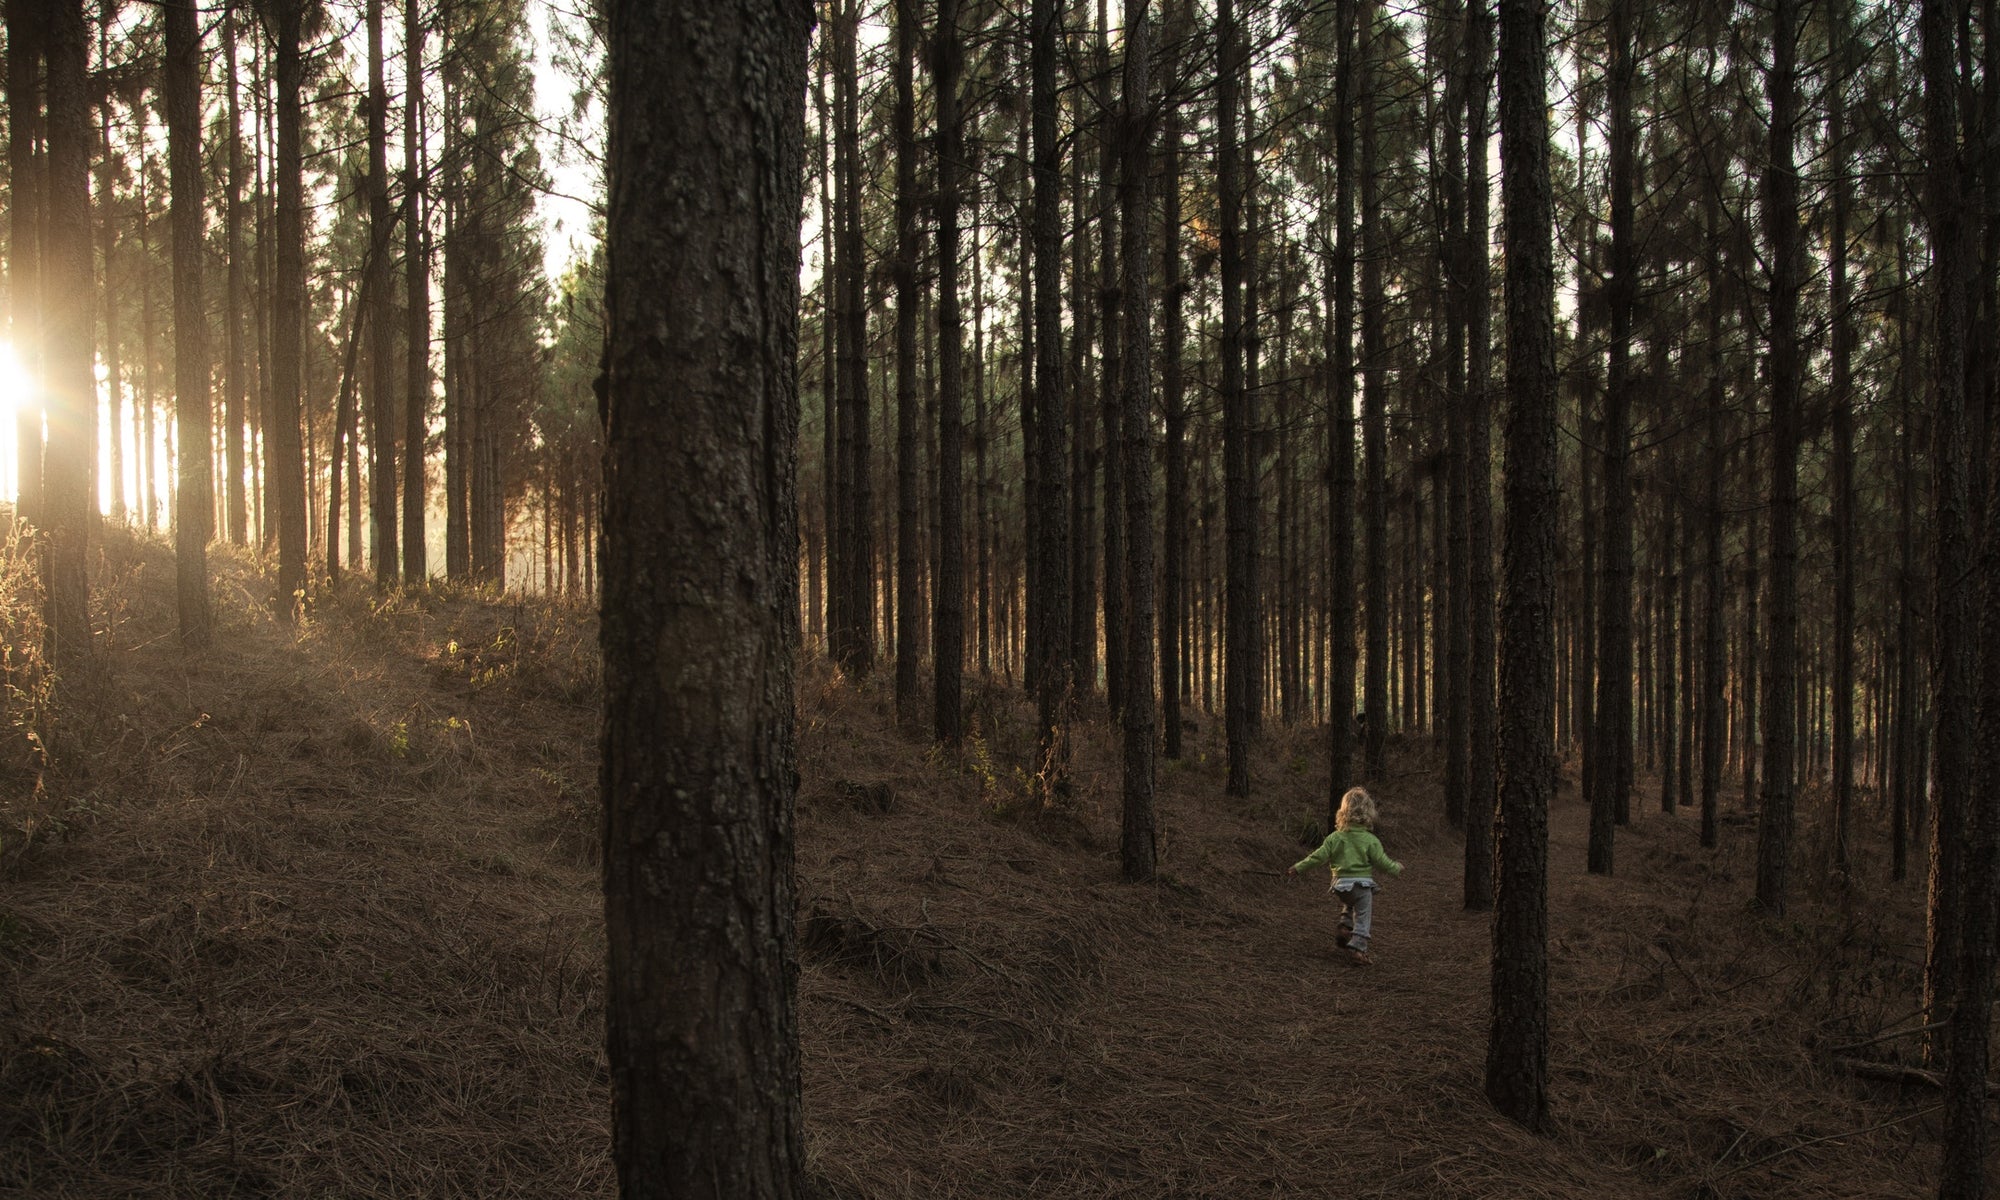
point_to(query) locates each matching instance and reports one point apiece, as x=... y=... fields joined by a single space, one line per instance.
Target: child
x=1353 y=853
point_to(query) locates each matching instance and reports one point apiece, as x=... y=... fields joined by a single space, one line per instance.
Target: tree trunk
x=1137 y=842
x=282 y=450
x=1340 y=432
x=1478 y=681
x=1517 y=1045
x=235 y=495
x=1239 y=456
x=68 y=346
x=948 y=592
x=1774 y=826
x=1173 y=345
x=1841 y=401
x=700 y=591
x=1109 y=393
x=195 y=499
x=382 y=430
x=1613 y=776
x=1056 y=699
x=27 y=23
x=417 y=321
x=1375 y=702
x=909 y=558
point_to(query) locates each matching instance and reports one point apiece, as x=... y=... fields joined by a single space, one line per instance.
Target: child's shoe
x=1359 y=957
x=1345 y=935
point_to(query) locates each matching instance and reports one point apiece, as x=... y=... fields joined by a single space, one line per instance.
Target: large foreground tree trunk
x=1517 y=1046
x=701 y=595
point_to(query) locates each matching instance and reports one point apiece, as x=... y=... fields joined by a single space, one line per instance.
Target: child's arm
x=1314 y=859
x=1379 y=858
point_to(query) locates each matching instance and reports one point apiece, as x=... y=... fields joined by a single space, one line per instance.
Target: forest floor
x=316 y=914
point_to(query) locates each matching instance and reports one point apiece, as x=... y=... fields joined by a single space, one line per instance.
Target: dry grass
x=315 y=914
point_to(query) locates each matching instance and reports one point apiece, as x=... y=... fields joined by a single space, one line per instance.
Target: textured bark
x=1774 y=826
x=855 y=649
x=1453 y=663
x=1374 y=445
x=68 y=349
x=1841 y=401
x=195 y=495
x=382 y=430
x=1340 y=434
x=1110 y=394
x=1173 y=396
x=1517 y=1046
x=27 y=171
x=107 y=233
x=1714 y=703
x=700 y=594
x=1478 y=459
x=282 y=451
x=1612 y=775
x=236 y=504
x=1137 y=841
x=948 y=592
x=1952 y=622
x=417 y=320
x=1238 y=456
x=1055 y=699
x=909 y=556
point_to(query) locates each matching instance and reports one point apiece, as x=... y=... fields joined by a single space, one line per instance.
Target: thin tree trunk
x=1240 y=694
x=1056 y=699
x=382 y=430
x=948 y=594
x=1340 y=434
x=1841 y=401
x=1375 y=688
x=908 y=553
x=1137 y=842
x=27 y=181
x=286 y=465
x=1774 y=826
x=196 y=497
x=1173 y=341
x=417 y=321
x=68 y=345
x=1479 y=681
x=236 y=498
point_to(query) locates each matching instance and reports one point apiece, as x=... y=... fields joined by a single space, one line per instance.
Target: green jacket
x=1352 y=854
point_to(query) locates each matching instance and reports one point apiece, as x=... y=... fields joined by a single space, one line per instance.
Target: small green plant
x=399 y=739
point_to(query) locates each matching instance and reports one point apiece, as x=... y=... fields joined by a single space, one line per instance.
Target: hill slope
x=316 y=915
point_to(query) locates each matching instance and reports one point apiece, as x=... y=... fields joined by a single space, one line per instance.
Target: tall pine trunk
x=1774 y=826
x=948 y=591
x=1056 y=698
x=1138 y=839
x=909 y=556
x=1479 y=681
x=417 y=320
x=1517 y=1045
x=1239 y=456
x=68 y=347
x=282 y=449
x=194 y=503
x=382 y=431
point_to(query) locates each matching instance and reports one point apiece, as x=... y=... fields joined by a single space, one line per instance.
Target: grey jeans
x=1357 y=904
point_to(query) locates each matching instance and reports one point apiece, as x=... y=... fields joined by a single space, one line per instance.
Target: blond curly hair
x=1357 y=807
